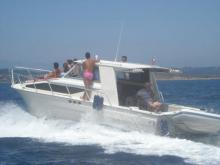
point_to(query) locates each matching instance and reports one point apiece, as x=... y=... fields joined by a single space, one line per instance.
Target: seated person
x=76 y=70
x=146 y=99
x=69 y=63
x=65 y=69
x=55 y=73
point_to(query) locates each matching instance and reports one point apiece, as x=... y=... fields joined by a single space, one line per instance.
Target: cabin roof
x=128 y=66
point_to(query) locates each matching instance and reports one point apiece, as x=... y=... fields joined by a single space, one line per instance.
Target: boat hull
x=171 y=123
x=197 y=122
x=49 y=106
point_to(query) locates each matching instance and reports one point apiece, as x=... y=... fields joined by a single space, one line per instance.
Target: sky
x=178 y=33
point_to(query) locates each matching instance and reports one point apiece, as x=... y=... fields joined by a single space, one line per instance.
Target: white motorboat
x=112 y=101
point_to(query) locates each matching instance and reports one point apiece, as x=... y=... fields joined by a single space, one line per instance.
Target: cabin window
x=135 y=75
x=129 y=82
x=55 y=88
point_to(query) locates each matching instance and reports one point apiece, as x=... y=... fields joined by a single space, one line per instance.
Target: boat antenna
x=119 y=42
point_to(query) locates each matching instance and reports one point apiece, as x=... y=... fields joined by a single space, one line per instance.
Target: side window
x=120 y=75
x=137 y=77
x=55 y=88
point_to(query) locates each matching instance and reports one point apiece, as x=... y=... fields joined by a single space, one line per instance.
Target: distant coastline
x=188 y=78
x=191 y=73
x=187 y=73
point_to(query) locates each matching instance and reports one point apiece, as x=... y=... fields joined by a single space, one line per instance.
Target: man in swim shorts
x=88 y=67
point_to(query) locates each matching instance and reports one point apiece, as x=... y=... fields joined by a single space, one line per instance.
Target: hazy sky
x=35 y=33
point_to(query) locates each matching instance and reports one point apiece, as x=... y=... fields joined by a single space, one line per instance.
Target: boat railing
x=100 y=93
x=24 y=75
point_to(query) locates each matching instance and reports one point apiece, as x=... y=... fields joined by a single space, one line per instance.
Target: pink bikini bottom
x=88 y=75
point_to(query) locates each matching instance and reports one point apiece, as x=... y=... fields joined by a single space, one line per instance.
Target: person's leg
x=157 y=106
x=150 y=106
x=90 y=83
x=154 y=106
x=85 y=95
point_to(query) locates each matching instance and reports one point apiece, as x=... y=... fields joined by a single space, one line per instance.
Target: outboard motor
x=98 y=102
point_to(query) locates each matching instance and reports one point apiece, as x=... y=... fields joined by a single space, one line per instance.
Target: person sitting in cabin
x=55 y=73
x=88 y=67
x=76 y=70
x=145 y=99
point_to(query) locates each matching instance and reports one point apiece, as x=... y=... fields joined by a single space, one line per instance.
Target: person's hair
x=69 y=61
x=55 y=65
x=87 y=55
x=65 y=67
x=124 y=58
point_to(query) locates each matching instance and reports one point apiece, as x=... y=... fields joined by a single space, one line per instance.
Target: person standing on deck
x=88 y=67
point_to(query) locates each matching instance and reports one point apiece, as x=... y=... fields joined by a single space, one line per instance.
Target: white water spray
x=17 y=123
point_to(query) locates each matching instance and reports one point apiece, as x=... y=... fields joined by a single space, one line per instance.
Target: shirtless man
x=88 y=67
x=55 y=73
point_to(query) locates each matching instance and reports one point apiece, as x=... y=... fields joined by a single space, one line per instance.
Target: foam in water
x=15 y=122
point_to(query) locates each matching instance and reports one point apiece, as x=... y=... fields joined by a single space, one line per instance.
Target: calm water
x=25 y=139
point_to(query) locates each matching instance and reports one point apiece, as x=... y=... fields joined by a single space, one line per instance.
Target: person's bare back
x=88 y=65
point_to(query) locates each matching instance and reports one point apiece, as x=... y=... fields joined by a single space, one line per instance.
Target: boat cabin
x=119 y=82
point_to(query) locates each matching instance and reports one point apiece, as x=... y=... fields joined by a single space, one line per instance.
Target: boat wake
x=15 y=122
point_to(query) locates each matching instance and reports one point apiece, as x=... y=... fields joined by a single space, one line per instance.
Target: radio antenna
x=119 y=42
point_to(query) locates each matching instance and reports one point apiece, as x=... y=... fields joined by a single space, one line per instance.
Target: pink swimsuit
x=88 y=75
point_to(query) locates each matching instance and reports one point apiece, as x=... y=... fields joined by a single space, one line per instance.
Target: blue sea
x=25 y=139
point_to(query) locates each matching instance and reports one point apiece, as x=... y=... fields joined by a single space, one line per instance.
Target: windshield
x=134 y=75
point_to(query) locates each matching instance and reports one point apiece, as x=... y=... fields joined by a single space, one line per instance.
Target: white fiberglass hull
x=42 y=105
x=174 y=122
x=197 y=122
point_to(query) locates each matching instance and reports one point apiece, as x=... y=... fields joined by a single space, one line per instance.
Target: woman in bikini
x=88 y=67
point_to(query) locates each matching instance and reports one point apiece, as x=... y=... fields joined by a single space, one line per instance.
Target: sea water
x=25 y=139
